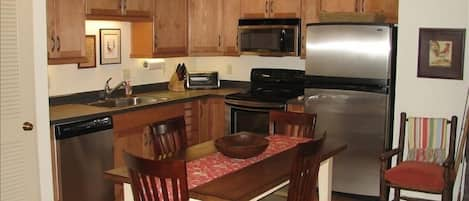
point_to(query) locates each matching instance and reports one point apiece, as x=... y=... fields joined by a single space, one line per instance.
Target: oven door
x=249 y=116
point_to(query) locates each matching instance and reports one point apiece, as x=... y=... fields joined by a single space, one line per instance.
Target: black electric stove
x=270 y=90
x=272 y=85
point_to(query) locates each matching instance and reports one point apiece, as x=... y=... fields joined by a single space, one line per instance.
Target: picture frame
x=441 y=53
x=90 y=48
x=110 y=46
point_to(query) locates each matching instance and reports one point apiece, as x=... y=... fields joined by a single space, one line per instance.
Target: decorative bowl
x=242 y=145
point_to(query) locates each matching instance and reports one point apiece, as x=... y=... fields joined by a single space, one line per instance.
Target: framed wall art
x=90 y=47
x=110 y=46
x=441 y=53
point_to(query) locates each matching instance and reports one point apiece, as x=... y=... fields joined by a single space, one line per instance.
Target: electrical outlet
x=229 y=69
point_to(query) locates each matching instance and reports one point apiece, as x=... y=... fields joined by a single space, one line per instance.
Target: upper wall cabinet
x=384 y=8
x=270 y=9
x=205 y=23
x=125 y=10
x=309 y=14
x=65 y=31
x=231 y=12
x=213 y=27
x=166 y=36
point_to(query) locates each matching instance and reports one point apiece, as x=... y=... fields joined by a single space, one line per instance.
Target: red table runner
x=210 y=167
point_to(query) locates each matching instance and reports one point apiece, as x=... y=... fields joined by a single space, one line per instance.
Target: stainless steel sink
x=124 y=101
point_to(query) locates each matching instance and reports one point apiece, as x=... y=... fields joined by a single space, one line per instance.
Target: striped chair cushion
x=427 y=139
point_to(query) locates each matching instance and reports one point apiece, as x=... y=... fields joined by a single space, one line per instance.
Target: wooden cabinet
x=309 y=14
x=385 y=8
x=205 y=24
x=65 y=31
x=389 y=8
x=166 y=36
x=270 y=9
x=211 y=118
x=125 y=10
x=339 y=5
x=213 y=26
x=231 y=14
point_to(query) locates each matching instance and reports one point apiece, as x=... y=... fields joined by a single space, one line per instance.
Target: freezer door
x=349 y=50
x=358 y=119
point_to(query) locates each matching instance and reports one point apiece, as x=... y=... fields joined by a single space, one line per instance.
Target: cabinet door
x=108 y=7
x=388 y=8
x=255 y=9
x=69 y=29
x=138 y=7
x=205 y=19
x=309 y=14
x=51 y=16
x=170 y=28
x=338 y=6
x=231 y=12
x=285 y=8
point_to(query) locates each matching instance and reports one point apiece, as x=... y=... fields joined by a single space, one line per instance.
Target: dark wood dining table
x=249 y=183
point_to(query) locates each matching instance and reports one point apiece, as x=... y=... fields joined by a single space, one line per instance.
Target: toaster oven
x=203 y=80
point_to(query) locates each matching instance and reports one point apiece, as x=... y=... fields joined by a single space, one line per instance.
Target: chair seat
x=417 y=176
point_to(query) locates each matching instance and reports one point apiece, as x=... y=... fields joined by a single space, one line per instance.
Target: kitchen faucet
x=108 y=90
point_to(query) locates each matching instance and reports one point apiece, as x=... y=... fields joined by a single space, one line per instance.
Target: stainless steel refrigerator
x=350 y=72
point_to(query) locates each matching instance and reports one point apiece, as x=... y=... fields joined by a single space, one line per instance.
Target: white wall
x=67 y=79
x=425 y=96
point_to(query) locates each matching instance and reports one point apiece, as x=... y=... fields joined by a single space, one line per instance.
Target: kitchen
x=63 y=79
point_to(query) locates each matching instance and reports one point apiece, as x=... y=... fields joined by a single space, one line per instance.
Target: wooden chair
x=304 y=174
x=292 y=124
x=427 y=167
x=305 y=169
x=155 y=180
x=168 y=136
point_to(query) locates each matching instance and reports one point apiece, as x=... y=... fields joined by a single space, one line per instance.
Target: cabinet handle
x=219 y=40
x=156 y=40
x=53 y=43
x=266 y=6
x=237 y=41
x=271 y=7
x=58 y=43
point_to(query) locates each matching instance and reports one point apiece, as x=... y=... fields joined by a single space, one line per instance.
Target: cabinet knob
x=28 y=126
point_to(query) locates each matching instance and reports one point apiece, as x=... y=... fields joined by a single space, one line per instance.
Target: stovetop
x=273 y=85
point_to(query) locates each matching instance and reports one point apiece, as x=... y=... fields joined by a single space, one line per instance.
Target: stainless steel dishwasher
x=83 y=150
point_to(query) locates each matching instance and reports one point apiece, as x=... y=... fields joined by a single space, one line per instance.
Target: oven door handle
x=254 y=109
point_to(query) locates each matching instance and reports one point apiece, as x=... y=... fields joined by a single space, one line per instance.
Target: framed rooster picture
x=110 y=46
x=441 y=53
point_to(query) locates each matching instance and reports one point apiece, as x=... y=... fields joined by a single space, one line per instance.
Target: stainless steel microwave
x=269 y=37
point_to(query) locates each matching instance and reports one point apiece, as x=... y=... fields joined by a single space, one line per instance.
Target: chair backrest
x=427 y=138
x=292 y=123
x=168 y=136
x=305 y=169
x=157 y=180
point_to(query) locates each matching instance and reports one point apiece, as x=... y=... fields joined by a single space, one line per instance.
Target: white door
x=18 y=145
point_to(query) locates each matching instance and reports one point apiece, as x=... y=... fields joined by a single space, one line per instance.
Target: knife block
x=175 y=84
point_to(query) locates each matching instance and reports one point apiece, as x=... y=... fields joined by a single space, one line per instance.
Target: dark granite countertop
x=73 y=112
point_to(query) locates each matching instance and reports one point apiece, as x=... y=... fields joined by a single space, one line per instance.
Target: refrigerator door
x=359 y=119
x=349 y=50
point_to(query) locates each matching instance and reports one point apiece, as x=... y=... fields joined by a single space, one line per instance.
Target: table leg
x=325 y=180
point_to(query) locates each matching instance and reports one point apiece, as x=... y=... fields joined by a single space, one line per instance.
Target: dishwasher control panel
x=82 y=127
